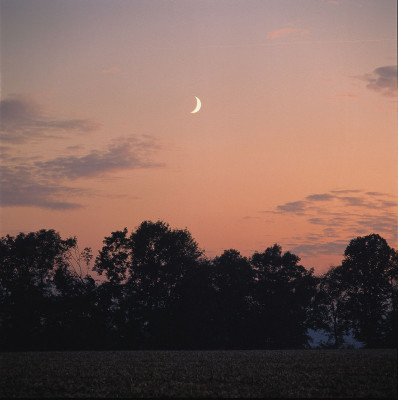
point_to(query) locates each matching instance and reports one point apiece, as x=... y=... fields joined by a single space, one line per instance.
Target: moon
x=198 y=106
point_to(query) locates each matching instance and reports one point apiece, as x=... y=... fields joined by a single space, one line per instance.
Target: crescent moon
x=198 y=106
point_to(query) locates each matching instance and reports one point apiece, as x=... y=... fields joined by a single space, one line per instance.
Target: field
x=270 y=373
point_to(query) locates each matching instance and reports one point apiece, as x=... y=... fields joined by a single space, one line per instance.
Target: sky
x=295 y=142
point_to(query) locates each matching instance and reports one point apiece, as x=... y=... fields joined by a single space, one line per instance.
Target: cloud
x=314 y=245
x=354 y=201
x=312 y=203
x=304 y=32
x=111 y=70
x=320 y=197
x=4 y=150
x=317 y=221
x=341 y=191
x=127 y=154
x=387 y=204
x=20 y=187
x=19 y=109
x=338 y=216
x=348 y=96
x=329 y=232
x=382 y=80
x=32 y=180
x=287 y=32
x=331 y=220
x=23 y=119
x=375 y=194
x=380 y=223
x=28 y=182
x=314 y=249
x=296 y=207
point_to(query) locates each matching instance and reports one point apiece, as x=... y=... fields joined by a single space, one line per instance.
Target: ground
x=263 y=373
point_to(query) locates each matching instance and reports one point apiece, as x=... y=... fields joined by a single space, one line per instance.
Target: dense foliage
x=160 y=292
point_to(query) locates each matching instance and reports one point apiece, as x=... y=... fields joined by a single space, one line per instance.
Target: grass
x=268 y=373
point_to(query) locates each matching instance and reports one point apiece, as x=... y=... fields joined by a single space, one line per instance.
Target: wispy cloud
x=111 y=70
x=4 y=151
x=23 y=119
x=272 y=43
x=287 y=32
x=20 y=187
x=320 y=197
x=338 y=216
x=358 y=199
x=247 y=217
x=341 y=191
x=385 y=223
x=314 y=249
x=382 y=80
x=377 y=194
x=329 y=220
x=46 y=184
x=295 y=207
x=348 y=96
x=126 y=154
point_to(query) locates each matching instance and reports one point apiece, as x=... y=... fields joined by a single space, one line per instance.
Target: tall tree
x=330 y=308
x=161 y=257
x=33 y=271
x=151 y=263
x=283 y=293
x=195 y=309
x=233 y=280
x=370 y=271
x=114 y=259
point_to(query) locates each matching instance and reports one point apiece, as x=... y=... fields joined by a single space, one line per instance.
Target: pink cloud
x=382 y=80
x=112 y=70
x=287 y=32
x=348 y=95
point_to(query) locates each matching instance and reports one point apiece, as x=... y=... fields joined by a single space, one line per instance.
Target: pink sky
x=295 y=143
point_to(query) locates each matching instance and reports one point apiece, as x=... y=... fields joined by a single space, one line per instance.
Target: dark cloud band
x=23 y=120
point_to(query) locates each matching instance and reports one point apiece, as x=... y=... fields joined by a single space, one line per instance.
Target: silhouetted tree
x=33 y=272
x=152 y=262
x=330 y=310
x=233 y=279
x=391 y=335
x=161 y=257
x=161 y=292
x=195 y=310
x=114 y=258
x=283 y=294
x=370 y=272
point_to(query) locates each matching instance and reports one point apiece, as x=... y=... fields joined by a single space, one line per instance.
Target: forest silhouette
x=160 y=292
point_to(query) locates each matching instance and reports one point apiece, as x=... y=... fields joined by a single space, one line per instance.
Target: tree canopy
x=160 y=291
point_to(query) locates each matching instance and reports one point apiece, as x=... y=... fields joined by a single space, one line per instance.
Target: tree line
x=160 y=292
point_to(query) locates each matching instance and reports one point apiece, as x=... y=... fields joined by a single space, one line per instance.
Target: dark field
x=272 y=373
